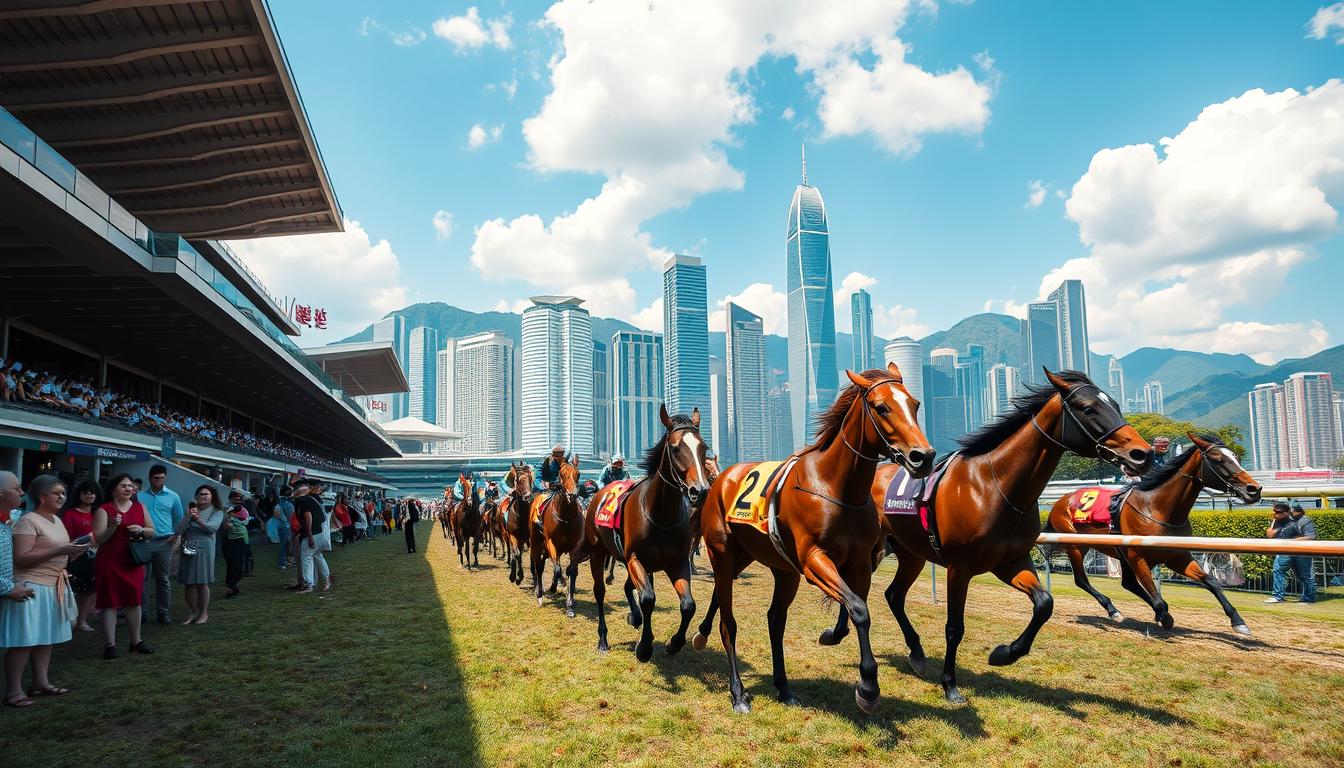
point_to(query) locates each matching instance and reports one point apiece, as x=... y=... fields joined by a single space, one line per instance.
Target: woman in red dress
x=118 y=580
x=78 y=519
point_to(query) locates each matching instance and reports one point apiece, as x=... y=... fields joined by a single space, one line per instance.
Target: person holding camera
x=119 y=581
x=197 y=569
x=1292 y=523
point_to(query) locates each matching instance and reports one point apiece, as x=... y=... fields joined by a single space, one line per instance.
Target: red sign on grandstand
x=378 y=405
x=313 y=317
x=1308 y=474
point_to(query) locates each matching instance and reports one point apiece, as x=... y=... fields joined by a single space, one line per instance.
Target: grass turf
x=412 y=661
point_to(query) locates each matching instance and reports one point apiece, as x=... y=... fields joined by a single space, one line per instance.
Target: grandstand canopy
x=411 y=428
x=184 y=111
x=362 y=367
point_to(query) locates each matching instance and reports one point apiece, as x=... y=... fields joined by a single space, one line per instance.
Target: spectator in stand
x=235 y=542
x=164 y=508
x=342 y=514
x=28 y=629
x=78 y=519
x=119 y=580
x=312 y=519
x=196 y=572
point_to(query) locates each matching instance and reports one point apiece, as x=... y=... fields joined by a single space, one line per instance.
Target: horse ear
x=574 y=459
x=1199 y=441
x=695 y=417
x=858 y=380
x=895 y=372
x=662 y=414
x=1059 y=383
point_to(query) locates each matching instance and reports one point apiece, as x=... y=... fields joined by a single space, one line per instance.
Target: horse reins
x=888 y=451
x=683 y=489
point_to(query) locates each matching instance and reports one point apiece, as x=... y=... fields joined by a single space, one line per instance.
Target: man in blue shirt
x=164 y=508
x=1292 y=523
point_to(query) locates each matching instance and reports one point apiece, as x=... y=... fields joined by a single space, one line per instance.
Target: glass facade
x=1072 y=304
x=686 y=339
x=393 y=329
x=423 y=377
x=557 y=381
x=601 y=401
x=484 y=393
x=864 y=355
x=748 y=425
x=636 y=366
x=812 y=365
x=1041 y=334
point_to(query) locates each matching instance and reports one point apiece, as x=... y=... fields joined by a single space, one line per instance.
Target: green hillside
x=1180 y=369
x=1000 y=335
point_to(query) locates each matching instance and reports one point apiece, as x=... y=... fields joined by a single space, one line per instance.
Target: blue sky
x=691 y=114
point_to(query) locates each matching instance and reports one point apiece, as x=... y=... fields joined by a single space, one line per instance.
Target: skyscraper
x=1153 y=399
x=908 y=356
x=1041 y=335
x=1115 y=380
x=601 y=402
x=445 y=380
x=1311 y=428
x=971 y=385
x=636 y=364
x=747 y=423
x=557 y=390
x=719 y=438
x=812 y=371
x=946 y=403
x=780 y=405
x=484 y=393
x=1071 y=303
x=861 y=325
x=1003 y=385
x=686 y=339
x=393 y=328
x=1269 y=447
x=423 y=373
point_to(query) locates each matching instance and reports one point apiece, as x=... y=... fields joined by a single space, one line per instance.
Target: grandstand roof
x=362 y=367
x=184 y=111
x=411 y=428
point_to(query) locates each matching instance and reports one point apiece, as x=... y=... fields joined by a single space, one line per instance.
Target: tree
x=1152 y=425
x=1074 y=467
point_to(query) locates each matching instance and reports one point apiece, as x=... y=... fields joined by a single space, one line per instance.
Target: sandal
x=48 y=690
x=190 y=620
x=19 y=701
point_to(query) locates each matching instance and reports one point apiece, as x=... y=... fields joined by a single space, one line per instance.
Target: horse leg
x=636 y=617
x=1144 y=575
x=600 y=598
x=555 y=570
x=786 y=588
x=611 y=570
x=1184 y=564
x=573 y=572
x=908 y=569
x=1085 y=584
x=957 y=584
x=476 y=551
x=702 y=635
x=643 y=585
x=538 y=560
x=680 y=576
x=723 y=596
x=1021 y=575
x=850 y=591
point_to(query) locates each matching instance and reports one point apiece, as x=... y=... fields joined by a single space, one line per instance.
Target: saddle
x=907 y=496
x=609 y=515
x=1096 y=506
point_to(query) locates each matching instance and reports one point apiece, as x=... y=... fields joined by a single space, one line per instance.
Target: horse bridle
x=887 y=451
x=683 y=488
x=1077 y=423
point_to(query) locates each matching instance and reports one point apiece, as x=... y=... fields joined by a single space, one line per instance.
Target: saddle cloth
x=910 y=496
x=754 y=492
x=609 y=514
x=1095 y=506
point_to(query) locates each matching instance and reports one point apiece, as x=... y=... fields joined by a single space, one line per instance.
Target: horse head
x=1092 y=425
x=891 y=419
x=1220 y=470
x=684 y=450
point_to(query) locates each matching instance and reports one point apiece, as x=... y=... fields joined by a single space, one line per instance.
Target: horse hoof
x=954 y=697
x=698 y=642
x=789 y=700
x=1117 y=617
x=830 y=637
x=633 y=620
x=674 y=645
x=643 y=652
x=1166 y=621
x=1001 y=656
x=867 y=706
x=602 y=647
x=742 y=706
x=540 y=602
x=610 y=579
x=569 y=613
x=918 y=665
x=1242 y=629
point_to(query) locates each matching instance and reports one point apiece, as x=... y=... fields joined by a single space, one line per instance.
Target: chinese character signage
x=310 y=316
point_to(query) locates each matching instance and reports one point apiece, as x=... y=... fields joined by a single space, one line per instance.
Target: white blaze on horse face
x=1229 y=454
x=903 y=400
x=692 y=441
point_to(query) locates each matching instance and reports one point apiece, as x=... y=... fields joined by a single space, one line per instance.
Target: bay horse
x=467 y=524
x=445 y=515
x=556 y=523
x=514 y=514
x=986 y=511
x=657 y=526
x=826 y=525
x=1159 y=505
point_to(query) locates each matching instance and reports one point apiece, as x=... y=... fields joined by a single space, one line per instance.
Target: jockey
x=459 y=491
x=550 y=466
x=492 y=491
x=614 y=471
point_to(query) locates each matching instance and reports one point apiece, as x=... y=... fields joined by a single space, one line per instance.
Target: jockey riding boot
x=1115 y=522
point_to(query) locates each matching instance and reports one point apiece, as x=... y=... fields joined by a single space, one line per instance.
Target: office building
x=484 y=394
x=946 y=403
x=636 y=365
x=720 y=441
x=557 y=391
x=686 y=339
x=1040 y=335
x=393 y=328
x=908 y=356
x=1071 y=304
x=1115 y=380
x=812 y=365
x=779 y=403
x=971 y=385
x=445 y=379
x=601 y=402
x=1311 y=429
x=861 y=326
x=1153 y=400
x=1269 y=446
x=746 y=417
x=1003 y=386
x=423 y=373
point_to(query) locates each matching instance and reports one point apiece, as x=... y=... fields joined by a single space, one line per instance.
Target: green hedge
x=1251 y=524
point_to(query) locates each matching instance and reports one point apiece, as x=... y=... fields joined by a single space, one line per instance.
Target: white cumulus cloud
x=1328 y=21
x=443 y=225
x=758 y=298
x=1036 y=190
x=480 y=135
x=354 y=278
x=470 y=32
x=650 y=318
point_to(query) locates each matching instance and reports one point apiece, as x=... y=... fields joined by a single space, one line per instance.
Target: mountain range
x=1206 y=388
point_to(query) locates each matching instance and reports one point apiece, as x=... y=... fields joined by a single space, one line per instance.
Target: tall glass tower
x=557 y=390
x=861 y=317
x=812 y=371
x=686 y=339
x=748 y=427
x=423 y=375
x=393 y=328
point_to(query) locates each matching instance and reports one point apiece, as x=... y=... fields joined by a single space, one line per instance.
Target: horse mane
x=829 y=421
x=1155 y=478
x=1025 y=406
x=654 y=455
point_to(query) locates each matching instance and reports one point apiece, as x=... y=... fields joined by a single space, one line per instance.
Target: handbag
x=140 y=552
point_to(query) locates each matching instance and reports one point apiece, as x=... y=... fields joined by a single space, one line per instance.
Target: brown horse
x=825 y=528
x=656 y=529
x=556 y=528
x=467 y=524
x=446 y=515
x=986 y=512
x=514 y=513
x=1159 y=505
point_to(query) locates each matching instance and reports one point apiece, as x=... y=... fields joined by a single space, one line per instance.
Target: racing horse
x=825 y=528
x=985 y=516
x=514 y=511
x=1159 y=505
x=467 y=524
x=556 y=523
x=445 y=515
x=656 y=527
